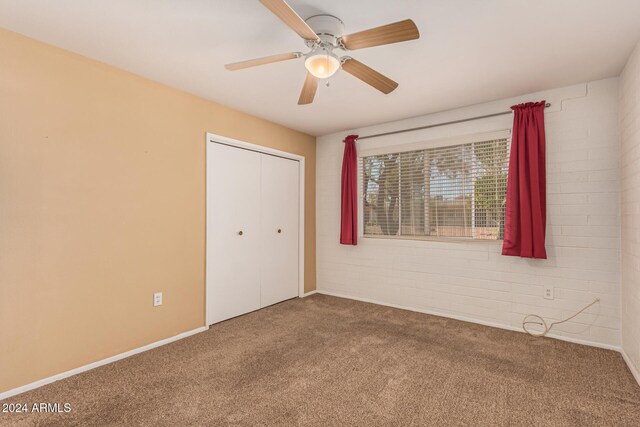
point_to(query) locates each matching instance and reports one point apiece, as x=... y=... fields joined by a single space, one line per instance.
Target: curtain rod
x=547 y=105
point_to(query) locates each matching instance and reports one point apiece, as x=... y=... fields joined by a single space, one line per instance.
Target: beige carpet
x=331 y=361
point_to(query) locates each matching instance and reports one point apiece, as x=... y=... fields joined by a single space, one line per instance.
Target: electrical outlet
x=157 y=299
x=548 y=292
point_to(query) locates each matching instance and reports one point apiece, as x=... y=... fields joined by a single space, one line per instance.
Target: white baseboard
x=469 y=319
x=632 y=367
x=308 y=294
x=45 y=381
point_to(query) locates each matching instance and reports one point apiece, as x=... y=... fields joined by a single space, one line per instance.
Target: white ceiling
x=470 y=51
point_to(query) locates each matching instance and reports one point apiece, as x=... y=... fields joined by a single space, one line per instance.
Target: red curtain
x=349 y=208
x=526 y=208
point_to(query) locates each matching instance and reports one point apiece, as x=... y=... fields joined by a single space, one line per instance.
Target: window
x=454 y=191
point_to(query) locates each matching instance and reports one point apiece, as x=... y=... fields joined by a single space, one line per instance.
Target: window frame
x=423 y=145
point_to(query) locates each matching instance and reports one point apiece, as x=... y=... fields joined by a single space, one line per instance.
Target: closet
x=252 y=230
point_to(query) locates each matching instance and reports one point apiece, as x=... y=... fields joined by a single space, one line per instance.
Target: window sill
x=435 y=239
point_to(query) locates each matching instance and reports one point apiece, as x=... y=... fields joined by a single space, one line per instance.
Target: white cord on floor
x=544 y=324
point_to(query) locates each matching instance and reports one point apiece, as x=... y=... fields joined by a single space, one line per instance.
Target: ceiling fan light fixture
x=322 y=63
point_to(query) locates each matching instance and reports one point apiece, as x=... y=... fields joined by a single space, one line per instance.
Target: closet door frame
x=212 y=138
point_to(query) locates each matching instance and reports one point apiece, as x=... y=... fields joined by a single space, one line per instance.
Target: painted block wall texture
x=471 y=280
x=630 y=205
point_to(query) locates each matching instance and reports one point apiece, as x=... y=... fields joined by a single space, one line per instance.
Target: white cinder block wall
x=471 y=280
x=630 y=194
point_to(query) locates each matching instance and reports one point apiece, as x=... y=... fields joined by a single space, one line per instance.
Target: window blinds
x=453 y=191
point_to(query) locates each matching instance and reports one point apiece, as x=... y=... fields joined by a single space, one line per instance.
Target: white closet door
x=233 y=231
x=279 y=243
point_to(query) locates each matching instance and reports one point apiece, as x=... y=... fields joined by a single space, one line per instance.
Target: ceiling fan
x=323 y=35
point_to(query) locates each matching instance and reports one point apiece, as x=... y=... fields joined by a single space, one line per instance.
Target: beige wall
x=102 y=203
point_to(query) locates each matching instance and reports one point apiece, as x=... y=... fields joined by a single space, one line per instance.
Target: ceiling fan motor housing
x=328 y=28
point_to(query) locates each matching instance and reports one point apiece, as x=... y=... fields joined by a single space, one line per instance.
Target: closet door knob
x=240 y=233
x=279 y=230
